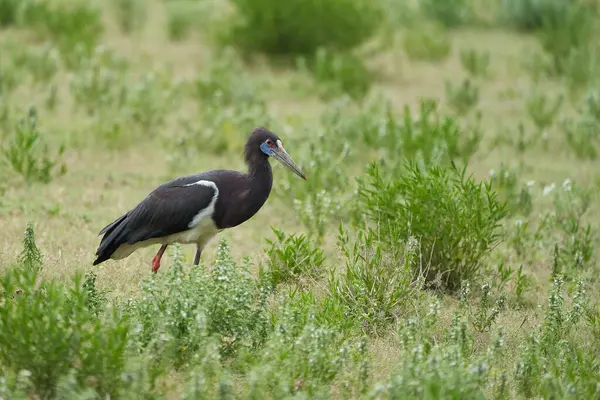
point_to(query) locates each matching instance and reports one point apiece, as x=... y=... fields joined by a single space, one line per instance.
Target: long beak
x=283 y=157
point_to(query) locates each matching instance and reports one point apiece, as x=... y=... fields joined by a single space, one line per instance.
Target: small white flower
x=548 y=189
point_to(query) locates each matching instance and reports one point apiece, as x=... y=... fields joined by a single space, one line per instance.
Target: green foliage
x=474 y=62
x=292 y=257
x=47 y=332
x=517 y=196
x=428 y=42
x=95 y=299
x=443 y=368
x=530 y=15
x=378 y=282
x=582 y=133
x=427 y=135
x=31 y=256
x=543 y=110
x=451 y=13
x=27 y=153
x=9 y=10
x=179 y=312
x=130 y=14
x=299 y=27
x=455 y=219
x=185 y=15
x=462 y=98
x=300 y=356
x=70 y=25
x=339 y=73
x=571 y=31
x=549 y=363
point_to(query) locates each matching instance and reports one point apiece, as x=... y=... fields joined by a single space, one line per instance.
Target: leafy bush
x=427 y=42
x=516 y=196
x=549 y=363
x=377 y=282
x=178 y=312
x=292 y=257
x=462 y=98
x=582 y=133
x=302 y=356
x=339 y=73
x=71 y=25
x=530 y=15
x=455 y=219
x=184 y=15
x=443 y=368
x=475 y=62
x=130 y=14
x=543 y=110
x=574 y=30
x=28 y=155
x=300 y=27
x=451 y=13
x=47 y=332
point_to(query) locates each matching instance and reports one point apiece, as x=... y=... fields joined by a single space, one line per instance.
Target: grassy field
x=444 y=245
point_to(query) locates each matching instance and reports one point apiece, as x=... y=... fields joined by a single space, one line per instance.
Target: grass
x=443 y=247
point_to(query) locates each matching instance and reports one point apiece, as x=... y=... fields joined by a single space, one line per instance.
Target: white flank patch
x=202 y=229
x=211 y=206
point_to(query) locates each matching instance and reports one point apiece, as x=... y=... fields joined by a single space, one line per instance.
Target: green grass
x=445 y=245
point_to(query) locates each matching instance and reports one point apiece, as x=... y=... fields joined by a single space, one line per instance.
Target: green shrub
x=301 y=356
x=443 y=368
x=47 y=332
x=543 y=110
x=300 y=27
x=463 y=97
x=427 y=42
x=178 y=312
x=339 y=73
x=71 y=25
x=9 y=11
x=474 y=62
x=530 y=15
x=451 y=13
x=378 y=282
x=185 y=15
x=517 y=196
x=27 y=153
x=292 y=257
x=455 y=219
x=550 y=364
x=574 y=30
x=130 y=14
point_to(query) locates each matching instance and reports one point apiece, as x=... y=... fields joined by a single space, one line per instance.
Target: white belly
x=200 y=234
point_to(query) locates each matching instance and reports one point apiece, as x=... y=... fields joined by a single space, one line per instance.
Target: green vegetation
x=444 y=246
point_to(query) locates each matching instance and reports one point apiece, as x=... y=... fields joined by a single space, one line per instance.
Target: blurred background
x=451 y=149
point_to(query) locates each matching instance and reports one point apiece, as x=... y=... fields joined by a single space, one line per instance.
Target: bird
x=194 y=208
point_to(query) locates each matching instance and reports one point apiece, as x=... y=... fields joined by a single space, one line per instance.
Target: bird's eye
x=270 y=143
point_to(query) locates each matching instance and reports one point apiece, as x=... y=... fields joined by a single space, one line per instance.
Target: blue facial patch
x=264 y=147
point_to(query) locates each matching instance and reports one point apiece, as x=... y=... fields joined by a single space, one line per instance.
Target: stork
x=192 y=209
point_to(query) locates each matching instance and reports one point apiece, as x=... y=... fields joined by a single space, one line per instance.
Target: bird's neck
x=260 y=173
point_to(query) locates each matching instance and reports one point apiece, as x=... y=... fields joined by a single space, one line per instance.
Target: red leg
x=157 y=257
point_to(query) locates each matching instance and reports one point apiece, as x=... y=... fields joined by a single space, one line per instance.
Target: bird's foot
x=155 y=263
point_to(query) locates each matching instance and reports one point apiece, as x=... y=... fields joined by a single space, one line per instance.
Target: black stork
x=194 y=208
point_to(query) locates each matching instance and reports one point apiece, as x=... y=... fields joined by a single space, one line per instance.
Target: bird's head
x=270 y=144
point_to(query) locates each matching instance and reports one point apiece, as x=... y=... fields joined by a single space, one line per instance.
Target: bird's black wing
x=166 y=210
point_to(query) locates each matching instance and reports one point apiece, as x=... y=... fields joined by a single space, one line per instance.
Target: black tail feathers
x=113 y=238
